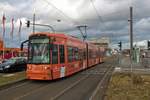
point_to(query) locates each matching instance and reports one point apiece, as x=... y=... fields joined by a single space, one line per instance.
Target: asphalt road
x=46 y=90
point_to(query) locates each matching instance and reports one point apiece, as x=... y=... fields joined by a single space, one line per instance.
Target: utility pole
x=131 y=32
x=148 y=45
x=34 y=22
x=131 y=35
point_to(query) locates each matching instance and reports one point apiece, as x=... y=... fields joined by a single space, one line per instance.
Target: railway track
x=73 y=91
x=76 y=87
x=102 y=83
x=26 y=89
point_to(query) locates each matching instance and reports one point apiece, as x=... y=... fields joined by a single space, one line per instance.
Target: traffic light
x=28 y=23
x=148 y=45
x=120 y=45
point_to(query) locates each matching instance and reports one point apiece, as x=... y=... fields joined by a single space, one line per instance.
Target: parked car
x=2 y=61
x=13 y=64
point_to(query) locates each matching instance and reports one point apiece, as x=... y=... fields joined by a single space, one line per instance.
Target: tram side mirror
x=21 y=47
x=22 y=44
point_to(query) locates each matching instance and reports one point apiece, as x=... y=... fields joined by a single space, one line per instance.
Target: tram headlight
x=29 y=67
x=46 y=67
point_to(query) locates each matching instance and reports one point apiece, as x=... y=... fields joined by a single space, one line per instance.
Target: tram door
x=54 y=61
x=62 y=60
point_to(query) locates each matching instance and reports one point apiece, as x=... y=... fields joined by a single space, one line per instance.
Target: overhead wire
x=71 y=20
x=99 y=16
x=84 y=35
x=101 y=21
x=52 y=5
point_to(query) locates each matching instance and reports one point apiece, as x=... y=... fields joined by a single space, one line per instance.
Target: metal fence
x=145 y=62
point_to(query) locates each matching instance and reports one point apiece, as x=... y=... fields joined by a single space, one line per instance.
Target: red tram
x=52 y=56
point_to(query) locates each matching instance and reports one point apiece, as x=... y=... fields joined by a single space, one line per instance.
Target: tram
x=55 y=55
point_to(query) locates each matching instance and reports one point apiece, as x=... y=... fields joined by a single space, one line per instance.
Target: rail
x=100 y=83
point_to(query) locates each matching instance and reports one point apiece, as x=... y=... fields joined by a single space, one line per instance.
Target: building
x=6 y=53
x=102 y=42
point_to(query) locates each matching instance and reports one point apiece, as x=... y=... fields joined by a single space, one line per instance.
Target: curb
x=12 y=83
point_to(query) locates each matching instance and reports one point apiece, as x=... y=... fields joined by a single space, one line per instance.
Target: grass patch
x=127 y=86
x=11 y=77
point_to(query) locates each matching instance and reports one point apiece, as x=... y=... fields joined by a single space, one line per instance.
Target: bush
x=137 y=79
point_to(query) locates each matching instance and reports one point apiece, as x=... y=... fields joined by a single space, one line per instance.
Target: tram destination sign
x=39 y=40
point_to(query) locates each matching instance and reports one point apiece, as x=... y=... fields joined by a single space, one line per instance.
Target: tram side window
x=62 y=54
x=1 y=52
x=84 y=53
x=76 y=54
x=98 y=53
x=80 y=54
x=70 y=54
x=55 y=54
x=93 y=54
x=90 y=53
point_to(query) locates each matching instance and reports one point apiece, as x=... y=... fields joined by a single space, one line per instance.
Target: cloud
x=113 y=23
x=143 y=24
x=6 y=7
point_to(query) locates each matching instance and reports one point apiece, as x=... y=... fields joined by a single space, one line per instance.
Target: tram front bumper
x=42 y=75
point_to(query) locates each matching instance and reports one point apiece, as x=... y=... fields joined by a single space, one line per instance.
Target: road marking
x=14 y=87
x=99 y=84
x=36 y=90
x=8 y=75
x=74 y=84
x=117 y=69
x=68 y=88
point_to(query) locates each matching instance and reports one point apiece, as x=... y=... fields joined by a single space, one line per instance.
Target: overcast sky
x=103 y=17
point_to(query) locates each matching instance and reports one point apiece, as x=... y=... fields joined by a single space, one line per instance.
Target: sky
x=103 y=18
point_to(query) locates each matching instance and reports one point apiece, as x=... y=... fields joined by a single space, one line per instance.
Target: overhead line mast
x=80 y=27
x=84 y=34
x=131 y=31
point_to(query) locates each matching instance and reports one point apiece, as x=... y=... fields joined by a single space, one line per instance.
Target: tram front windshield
x=39 y=51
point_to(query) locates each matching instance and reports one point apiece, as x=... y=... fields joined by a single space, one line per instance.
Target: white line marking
x=14 y=87
x=100 y=83
x=68 y=88
x=36 y=90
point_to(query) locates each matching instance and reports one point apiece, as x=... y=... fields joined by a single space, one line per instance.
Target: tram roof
x=61 y=35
